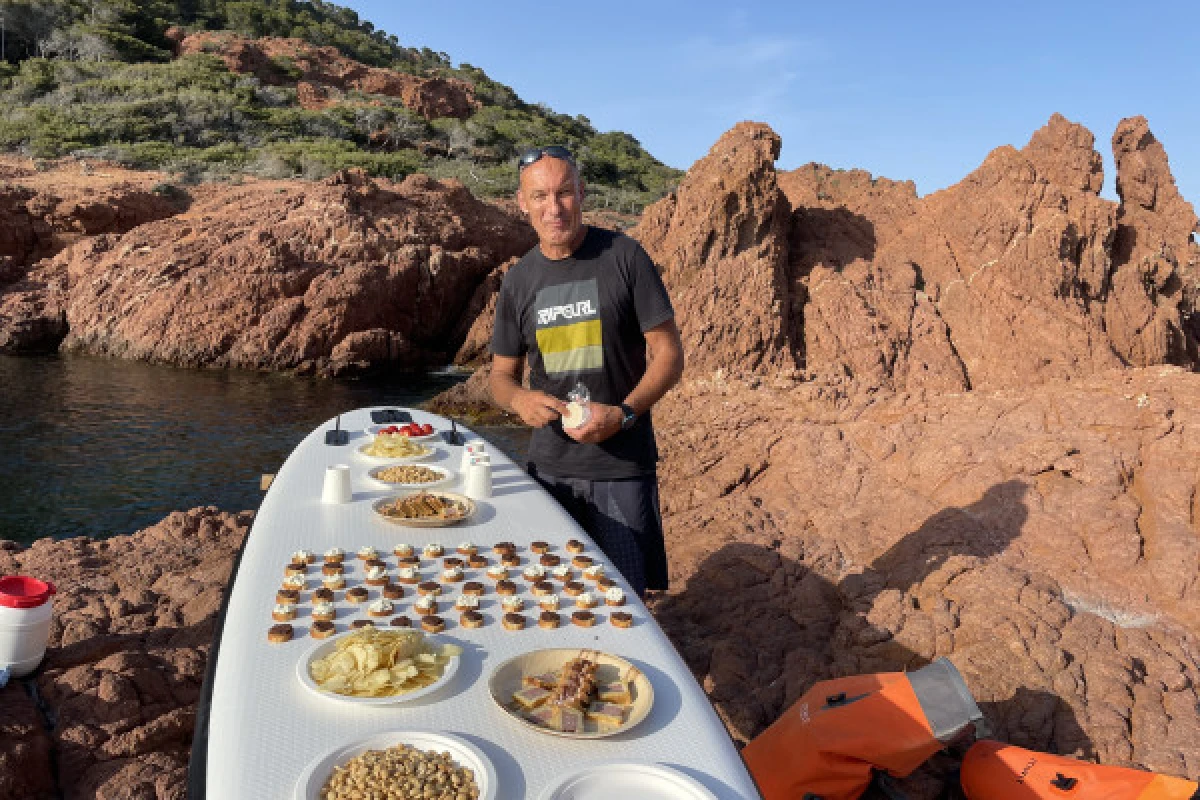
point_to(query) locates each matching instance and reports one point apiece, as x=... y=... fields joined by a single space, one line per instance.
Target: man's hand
x=538 y=409
x=605 y=421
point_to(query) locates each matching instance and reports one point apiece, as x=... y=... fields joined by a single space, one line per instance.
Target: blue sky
x=919 y=91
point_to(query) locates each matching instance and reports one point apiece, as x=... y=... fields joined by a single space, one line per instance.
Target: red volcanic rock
x=339 y=276
x=33 y=311
x=25 y=747
x=1043 y=540
x=1146 y=320
x=721 y=242
x=312 y=96
x=37 y=223
x=475 y=327
x=272 y=59
x=128 y=647
x=1012 y=276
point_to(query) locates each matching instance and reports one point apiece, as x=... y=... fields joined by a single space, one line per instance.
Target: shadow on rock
x=758 y=629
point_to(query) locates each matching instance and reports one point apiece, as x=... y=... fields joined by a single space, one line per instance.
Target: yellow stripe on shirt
x=570 y=337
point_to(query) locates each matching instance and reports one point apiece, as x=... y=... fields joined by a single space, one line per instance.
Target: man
x=587 y=305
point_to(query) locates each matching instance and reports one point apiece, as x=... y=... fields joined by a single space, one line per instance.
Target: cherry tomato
x=426 y=429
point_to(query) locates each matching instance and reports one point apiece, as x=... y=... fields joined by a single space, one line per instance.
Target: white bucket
x=25 y=614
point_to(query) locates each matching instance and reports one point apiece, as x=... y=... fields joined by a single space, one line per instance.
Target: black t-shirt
x=582 y=320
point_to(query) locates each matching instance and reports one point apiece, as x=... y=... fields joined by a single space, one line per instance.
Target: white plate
x=371 y=430
x=433 y=451
x=465 y=754
x=626 y=779
x=426 y=522
x=506 y=679
x=447 y=477
x=325 y=646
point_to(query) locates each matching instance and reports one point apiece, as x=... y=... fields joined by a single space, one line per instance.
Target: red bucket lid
x=18 y=591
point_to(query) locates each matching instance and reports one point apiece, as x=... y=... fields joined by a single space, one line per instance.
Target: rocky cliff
x=325 y=74
x=344 y=275
x=110 y=712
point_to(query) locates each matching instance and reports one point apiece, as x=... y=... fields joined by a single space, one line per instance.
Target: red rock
x=128 y=648
x=322 y=68
x=344 y=275
x=1041 y=539
x=721 y=242
x=25 y=748
x=36 y=223
x=1011 y=276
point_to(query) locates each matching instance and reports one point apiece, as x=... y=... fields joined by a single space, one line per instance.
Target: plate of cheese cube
x=581 y=694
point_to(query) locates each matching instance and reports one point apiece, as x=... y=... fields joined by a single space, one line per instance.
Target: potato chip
x=381 y=663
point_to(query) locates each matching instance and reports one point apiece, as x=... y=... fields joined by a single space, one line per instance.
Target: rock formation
x=1019 y=274
x=323 y=70
x=331 y=277
x=721 y=241
x=969 y=465
x=110 y=712
x=1044 y=540
x=37 y=223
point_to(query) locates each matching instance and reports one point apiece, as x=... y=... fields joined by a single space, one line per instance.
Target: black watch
x=629 y=417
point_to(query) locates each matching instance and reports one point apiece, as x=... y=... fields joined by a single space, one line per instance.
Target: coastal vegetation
x=96 y=79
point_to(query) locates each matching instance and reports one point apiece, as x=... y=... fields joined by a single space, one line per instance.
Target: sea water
x=98 y=447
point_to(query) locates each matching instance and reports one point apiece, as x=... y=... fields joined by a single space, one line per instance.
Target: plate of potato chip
x=376 y=666
x=388 y=447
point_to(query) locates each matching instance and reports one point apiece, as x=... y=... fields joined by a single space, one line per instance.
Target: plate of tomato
x=414 y=430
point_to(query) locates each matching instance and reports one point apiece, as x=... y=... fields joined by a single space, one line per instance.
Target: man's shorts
x=623 y=518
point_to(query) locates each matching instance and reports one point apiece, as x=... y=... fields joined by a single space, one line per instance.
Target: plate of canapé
x=399 y=754
x=538 y=690
x=432 y=508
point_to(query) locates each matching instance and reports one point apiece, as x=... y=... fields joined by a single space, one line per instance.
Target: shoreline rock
x=111 y=709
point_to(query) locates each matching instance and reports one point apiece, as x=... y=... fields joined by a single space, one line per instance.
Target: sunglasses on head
x=554 y=151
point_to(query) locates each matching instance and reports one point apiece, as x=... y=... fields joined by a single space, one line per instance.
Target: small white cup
x=337 y=484
x=477 y=482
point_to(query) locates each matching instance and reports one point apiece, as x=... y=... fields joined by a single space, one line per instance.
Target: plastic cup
x=337 y=484
x=477 y=483
x=25 y=614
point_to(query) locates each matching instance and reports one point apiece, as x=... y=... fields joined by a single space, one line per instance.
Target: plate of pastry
x=425 y=509
x=579 y=694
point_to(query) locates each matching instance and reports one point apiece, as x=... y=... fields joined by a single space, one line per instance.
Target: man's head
x=551 y=193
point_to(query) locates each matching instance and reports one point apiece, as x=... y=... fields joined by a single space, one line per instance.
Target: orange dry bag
x=996 y=771
x=827 y=745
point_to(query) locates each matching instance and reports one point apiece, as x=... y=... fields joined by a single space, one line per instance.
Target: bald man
x=587 y=305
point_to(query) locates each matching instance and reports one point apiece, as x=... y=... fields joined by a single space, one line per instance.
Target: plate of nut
x=400 y=764
x=411 y=476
